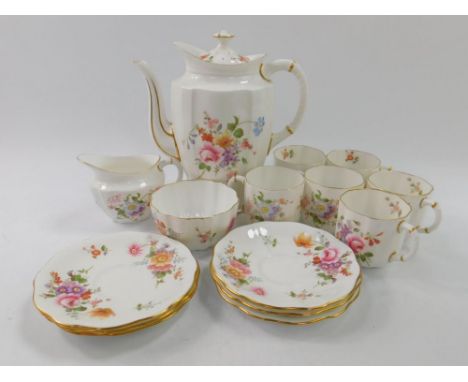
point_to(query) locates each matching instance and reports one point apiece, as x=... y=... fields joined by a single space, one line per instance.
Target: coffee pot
x=222 y=110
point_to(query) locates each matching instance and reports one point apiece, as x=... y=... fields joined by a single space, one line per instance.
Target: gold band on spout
x=291 y=66
x=289 y=129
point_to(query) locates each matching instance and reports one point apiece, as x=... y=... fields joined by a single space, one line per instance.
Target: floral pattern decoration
x=162 y=260
x=75 y=295
x=320 y=209
x=95 y=251
x=302 y=295
x=205 y=236
x=328 y=262
x=264 y=208
x=237 y=268
x=223 y=148
x=394 y=206
x=349 y=232
x=287 y=153
x=130 y=206
x=415 y=187
x=351 y=157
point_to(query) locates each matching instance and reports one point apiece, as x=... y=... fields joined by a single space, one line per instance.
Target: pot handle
x=238 y=179
x=269 y=68
x=163 y=163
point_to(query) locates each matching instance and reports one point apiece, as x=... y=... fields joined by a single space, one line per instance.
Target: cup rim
x=345 y=169
x=375 y=187
x=277 y=168
x=410 y=209
x=174 y=184
x=277 y=150
x=359 y=151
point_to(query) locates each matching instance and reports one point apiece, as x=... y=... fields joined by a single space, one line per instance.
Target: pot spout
x=160 y=127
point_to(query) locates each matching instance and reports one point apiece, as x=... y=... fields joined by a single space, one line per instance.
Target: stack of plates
x=116 y=284
x=285 y=272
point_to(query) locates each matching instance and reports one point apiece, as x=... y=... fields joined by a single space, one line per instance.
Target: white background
x=395 y=86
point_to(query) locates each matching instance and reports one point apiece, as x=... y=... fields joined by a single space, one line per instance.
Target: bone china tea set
x=312 y=221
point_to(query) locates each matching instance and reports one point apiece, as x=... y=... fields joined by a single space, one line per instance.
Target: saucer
x=285 y=266
x=116 y=284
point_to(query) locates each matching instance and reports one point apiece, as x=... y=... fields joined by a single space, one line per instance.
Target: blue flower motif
x=259 y=123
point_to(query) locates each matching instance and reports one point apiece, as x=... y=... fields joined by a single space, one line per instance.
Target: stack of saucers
x=285 y=272
x=116 y=284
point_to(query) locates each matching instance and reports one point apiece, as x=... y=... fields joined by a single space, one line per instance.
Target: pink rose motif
x=209 y=153
x=355 y=242
x=238 y=265
x=259 y=291
x=231 y=225
x=114 y=201
x=160 y=268
x=68 y=300
x=134 y=250
x=330 y=255
x=213 y=122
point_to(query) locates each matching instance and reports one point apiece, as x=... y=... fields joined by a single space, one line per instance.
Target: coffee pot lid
x=223 y=53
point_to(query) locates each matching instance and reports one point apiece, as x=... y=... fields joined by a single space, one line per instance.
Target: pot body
x=222 y=124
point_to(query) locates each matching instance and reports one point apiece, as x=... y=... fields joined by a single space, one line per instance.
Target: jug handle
x=269 y=68
x=163 y=163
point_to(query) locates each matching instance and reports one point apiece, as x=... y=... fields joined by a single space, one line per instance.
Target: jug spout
x=160 y=127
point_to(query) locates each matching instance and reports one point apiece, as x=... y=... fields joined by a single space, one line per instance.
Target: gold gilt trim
x=300 y=323
x=426 y=230
x=414 y=229
x=153 y=134
x=291 y=66
x=263 y=74
x=392 y=255
x=289 y=129
x=289 y=313
x=129 y=327
x=270 y=308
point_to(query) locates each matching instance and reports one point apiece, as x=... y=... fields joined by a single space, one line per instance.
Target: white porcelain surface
x=285 y=264
x=122 y=185
x=222 y=110
x=115 y=279
x=332 y=313
x=373 y=223
x=360 y=161
x=414 y=190
x=271 y=193
x=196 y=212
x=298 y=157
x=324 y=186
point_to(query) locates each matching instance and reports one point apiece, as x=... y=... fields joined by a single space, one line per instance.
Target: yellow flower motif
x=303 y=240
x=224 y=140
x=161 y=258
x=101 y=313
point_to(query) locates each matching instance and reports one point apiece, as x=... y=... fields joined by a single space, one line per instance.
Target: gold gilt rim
x=374 y=186
x=358 y=151
x=216 y=278
x=288 y=313
x=131 y=326
x=300 y=323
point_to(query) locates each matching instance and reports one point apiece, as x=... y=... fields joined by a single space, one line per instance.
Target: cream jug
x=122 y=185
x=222 y=110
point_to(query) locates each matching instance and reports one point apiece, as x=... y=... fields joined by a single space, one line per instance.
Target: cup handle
x=163 y=163
x=426 y=202
x=411 y=230
x=238 y=179
x=269 y=68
